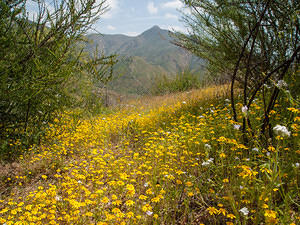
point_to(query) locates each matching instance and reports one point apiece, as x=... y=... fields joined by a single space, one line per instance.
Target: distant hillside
x=143 y=58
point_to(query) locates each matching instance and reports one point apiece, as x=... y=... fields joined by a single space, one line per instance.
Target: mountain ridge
x=153 y=49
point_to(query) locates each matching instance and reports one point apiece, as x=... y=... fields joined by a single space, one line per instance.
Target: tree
x=100 y=67
x=38 y=55
x=253 y=42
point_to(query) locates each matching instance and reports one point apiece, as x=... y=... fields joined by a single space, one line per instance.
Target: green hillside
x=135 y=75
x=143 y=58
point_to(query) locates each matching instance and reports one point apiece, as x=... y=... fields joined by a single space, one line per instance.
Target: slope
x=177 y=160
x=148 y=55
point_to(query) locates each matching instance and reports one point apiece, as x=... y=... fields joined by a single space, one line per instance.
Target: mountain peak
x=153 y=32
x=146 y=57
x=155 y=27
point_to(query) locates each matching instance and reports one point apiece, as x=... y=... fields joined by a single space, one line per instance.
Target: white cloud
x=32 y=9
x=174 y=28
x=175 y=4
x=188 y=11
x=170 y=16
x=151 y=8
x=110 y=27
x=132 y=34
x=113 y=8
x=178 y=28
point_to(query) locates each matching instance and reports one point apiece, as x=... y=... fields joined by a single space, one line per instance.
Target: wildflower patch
x=182 y=162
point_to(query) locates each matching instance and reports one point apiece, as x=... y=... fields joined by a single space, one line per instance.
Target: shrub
x=183 y=81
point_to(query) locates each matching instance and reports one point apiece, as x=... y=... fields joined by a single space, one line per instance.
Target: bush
x=183 y=81
x=37 y=57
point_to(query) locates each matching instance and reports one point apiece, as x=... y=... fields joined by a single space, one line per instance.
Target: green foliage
x=101 y=67
x=254 y=43
x=219 y=29
x=84 y=94
x=182 y=82
x=37 y=57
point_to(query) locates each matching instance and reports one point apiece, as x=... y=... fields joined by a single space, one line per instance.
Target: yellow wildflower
x=212 y=210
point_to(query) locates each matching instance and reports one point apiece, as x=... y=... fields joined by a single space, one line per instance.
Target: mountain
x=143 y=57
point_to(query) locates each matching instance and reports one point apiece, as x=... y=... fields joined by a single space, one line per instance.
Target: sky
x=132 y=17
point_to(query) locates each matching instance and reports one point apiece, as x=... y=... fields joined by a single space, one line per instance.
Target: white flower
x=183 y=102
x=268 y=153
x=245 y=110
x=297 y=165
x=236 y=126
x=281 y=131
x=255 y=149
x=57 y=198
x=227 y=100
x=146 y=184
x=281 y=84
x=209 y=161
x=245 y=211
x=205 y=163
x=208 y=146
x=149 y=213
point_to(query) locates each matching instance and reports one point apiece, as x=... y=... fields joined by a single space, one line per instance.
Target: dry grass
x=151 y=102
